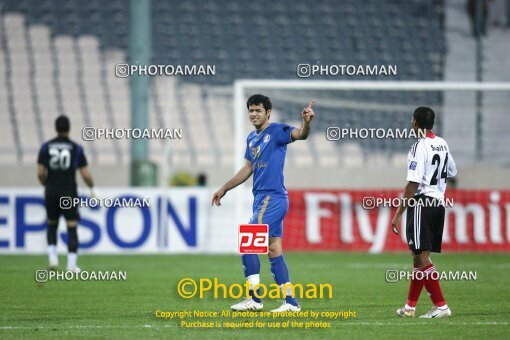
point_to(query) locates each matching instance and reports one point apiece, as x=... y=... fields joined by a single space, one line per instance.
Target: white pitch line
x=452 y=323
x=377 y=324
x=84 y=327
x=376 y=265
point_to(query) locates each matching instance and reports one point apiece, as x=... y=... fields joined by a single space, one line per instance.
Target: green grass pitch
x=126 y=309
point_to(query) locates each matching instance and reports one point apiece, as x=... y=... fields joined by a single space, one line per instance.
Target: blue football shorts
x=270 y=210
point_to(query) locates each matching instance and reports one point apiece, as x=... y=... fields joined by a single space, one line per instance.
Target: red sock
x=432 y=285
x=415 y=287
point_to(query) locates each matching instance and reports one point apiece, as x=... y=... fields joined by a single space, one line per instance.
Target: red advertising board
x=336 y=220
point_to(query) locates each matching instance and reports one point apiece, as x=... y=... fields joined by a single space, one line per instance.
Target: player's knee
x=425 y=258
x=421 y=259
x=274 y=252
x=418 y=257
x=72 y=223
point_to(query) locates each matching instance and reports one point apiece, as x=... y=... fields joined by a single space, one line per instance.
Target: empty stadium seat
x=60 y=59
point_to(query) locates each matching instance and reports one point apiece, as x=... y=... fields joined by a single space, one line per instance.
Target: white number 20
x=59 y=159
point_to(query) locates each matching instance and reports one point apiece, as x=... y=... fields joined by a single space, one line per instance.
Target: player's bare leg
x=423 y=259
x=72 y=246
x=51 y=236
x=275 y=247
x=281 y=276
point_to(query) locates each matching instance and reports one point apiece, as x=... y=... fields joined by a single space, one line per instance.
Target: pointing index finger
x=311 y=104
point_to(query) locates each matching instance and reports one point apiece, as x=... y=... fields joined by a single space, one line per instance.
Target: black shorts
x=52 y=202
x=424 y=226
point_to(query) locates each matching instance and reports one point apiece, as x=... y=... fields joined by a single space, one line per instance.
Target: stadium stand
x=58 y=59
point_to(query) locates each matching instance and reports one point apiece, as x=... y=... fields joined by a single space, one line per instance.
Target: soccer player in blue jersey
x=266 y=148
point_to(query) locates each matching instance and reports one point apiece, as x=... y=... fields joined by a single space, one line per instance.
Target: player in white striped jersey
x=429 y=165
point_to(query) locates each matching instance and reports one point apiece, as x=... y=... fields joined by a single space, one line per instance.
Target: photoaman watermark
x=188 y=288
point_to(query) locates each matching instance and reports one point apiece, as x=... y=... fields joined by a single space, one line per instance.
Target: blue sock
x=281 y=275
x=252 y=294
x=251 y=266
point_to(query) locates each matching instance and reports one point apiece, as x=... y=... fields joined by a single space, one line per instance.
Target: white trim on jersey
x=413 y=147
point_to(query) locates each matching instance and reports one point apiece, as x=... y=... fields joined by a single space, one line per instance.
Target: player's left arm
x=87 y=177
x=41 y=174
x=303 y=132
x=85 y=173
x=452 y=167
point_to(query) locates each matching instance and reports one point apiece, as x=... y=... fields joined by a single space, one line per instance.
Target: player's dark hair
x=62 y=124
x=257 y=99
x=424 y=116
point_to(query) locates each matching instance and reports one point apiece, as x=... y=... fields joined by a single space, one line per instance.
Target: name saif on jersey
x=439 y=148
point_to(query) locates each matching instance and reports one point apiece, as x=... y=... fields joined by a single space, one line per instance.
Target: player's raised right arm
x=240 y=177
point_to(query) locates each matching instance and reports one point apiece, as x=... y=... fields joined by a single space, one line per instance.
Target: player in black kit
x=58 y=160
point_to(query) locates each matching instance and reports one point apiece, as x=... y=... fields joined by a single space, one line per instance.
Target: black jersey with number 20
x=61 y=157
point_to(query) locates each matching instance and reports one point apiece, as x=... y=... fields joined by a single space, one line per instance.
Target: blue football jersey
x=266 y=151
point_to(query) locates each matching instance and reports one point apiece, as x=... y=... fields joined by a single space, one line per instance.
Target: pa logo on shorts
x=412 y=165
x=253 y=239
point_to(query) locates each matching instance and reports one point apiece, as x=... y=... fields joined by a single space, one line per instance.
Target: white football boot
x=74 y=270
x=405 y=313
x=436 y=313
x=247 y=304
x=286 y=307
